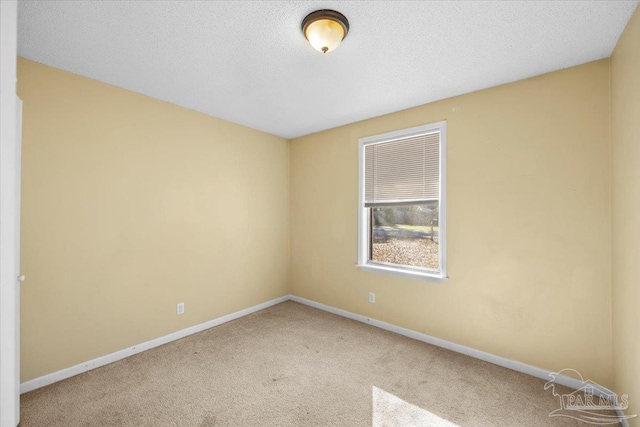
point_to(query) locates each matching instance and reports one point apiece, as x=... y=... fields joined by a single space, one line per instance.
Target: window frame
x=363 y=217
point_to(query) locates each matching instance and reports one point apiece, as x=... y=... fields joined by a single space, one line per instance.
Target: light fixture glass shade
x=324 y=35
x=325 y=29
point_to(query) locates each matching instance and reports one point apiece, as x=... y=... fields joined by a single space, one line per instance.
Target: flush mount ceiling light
x=325 y=29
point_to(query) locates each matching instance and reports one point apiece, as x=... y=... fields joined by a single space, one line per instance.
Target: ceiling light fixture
x=325 y=29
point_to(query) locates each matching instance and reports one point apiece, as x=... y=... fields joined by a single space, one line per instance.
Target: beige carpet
x=292 y=365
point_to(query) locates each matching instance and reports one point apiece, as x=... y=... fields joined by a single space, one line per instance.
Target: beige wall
x=625 y=139
x=529 y=223
x=131 y=205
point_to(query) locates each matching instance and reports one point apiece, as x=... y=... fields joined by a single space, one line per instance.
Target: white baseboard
x=118 y=355
x=477 y=354
x=623 y=421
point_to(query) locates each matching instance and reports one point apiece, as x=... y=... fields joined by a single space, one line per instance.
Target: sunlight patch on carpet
x=390 y=410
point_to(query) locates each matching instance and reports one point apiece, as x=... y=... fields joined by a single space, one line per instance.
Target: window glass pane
x=406 y=235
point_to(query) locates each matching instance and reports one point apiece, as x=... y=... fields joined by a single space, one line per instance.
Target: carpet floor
x=293 y=365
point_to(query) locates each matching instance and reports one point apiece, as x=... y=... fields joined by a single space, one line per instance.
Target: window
x=401 y=222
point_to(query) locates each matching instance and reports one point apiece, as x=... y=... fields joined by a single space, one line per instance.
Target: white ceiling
x=248 y=62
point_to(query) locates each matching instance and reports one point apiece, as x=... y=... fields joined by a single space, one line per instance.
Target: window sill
x=401 y=272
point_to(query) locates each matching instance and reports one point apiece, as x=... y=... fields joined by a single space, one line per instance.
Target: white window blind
x=402 y=171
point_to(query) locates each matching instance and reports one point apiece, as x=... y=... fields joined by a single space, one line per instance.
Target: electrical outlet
x=180 y=308
x=372 y=297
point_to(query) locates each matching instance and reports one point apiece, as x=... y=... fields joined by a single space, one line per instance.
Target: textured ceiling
x=248 y=62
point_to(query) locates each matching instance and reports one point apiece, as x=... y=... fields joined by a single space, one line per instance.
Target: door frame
x=9 y=217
